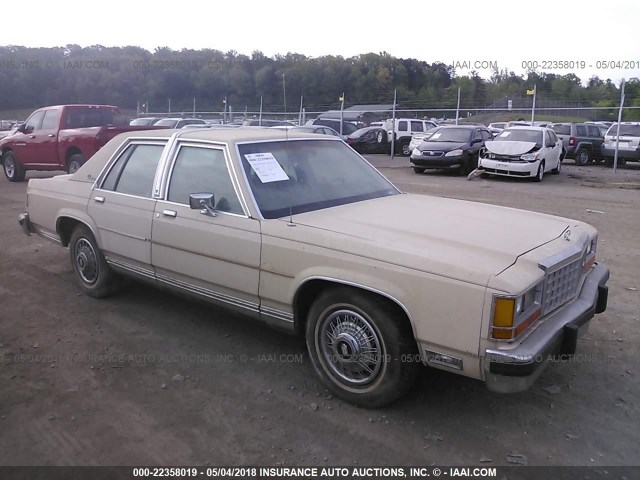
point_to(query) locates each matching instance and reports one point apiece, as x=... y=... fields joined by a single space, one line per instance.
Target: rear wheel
x=92 y=272
x=556 y=170
x=583 y=156
x=12 y=169
x=75 y=162
x=362 y=346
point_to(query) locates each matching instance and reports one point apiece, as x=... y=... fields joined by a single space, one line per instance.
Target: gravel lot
x=147 y=377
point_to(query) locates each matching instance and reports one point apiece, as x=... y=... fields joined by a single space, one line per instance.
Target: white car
x=417 y=139
x=527 y=152
x=404 y=129
x=628 y=145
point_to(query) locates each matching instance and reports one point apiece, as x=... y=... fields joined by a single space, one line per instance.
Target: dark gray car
x=582 y=142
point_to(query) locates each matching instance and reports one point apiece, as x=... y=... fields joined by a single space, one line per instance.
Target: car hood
x=442 y=146
x=509 y=148
x=458 y=239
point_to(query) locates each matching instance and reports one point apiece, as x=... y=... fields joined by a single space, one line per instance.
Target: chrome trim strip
x=220 y=297
x=55 y=238
x=571 y=253
x=125 y=234
x=277 y=314
x=132 y=268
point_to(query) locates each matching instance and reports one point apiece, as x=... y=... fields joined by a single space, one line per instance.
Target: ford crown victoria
x=299 y=231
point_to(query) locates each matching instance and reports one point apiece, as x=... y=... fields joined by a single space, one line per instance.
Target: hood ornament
x=567 y=235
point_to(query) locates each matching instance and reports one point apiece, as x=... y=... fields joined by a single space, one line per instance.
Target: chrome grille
x=561 y=285
x=432 y=153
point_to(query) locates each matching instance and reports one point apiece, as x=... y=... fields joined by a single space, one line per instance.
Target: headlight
x=416 y=151
x=529 y=157
x=454 y=153
x=591 y=248
x=512 y=315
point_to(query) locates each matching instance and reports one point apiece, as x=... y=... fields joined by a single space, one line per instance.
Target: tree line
x=125 y=76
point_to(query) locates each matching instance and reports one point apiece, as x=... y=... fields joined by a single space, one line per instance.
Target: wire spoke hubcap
x=86 y=261
x=350 y=347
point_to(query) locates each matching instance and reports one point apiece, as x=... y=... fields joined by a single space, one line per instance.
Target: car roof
x=466 y=127
x=523 y=127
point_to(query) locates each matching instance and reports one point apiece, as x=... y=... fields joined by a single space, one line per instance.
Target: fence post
x=615 y=155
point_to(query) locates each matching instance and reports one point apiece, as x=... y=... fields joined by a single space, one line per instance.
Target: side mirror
x=21 y=128
x=203 y=202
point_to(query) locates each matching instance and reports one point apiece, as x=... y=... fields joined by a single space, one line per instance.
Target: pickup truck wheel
x=92 y=272
x=419 y=169
x=540 y=175
x=361 y=346
x=583 y=156
x=75 y=162
x=12 y=169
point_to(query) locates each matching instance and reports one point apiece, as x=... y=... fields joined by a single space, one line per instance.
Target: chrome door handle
x=170 y=213
x=32 y=136
x=99 y=199
x=51 y=135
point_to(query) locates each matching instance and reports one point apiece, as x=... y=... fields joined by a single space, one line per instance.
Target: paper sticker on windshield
x=435 y=135
x=266 y=167
x=504 y=134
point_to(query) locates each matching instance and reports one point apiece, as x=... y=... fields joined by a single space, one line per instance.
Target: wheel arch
x=71 y=151
x=312 y=287
x=67 y=223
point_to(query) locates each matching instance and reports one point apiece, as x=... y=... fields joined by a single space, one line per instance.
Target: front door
x=217 y=257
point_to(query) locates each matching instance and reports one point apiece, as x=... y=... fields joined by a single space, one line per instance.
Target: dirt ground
x=146 y=377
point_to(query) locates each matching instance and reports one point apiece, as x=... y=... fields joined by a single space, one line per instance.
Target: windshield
x=298 y=176
x=166 y=122
x=520 y=135
x=142 y=121
x=458 y=135
x=561 y=129
x=625 y=130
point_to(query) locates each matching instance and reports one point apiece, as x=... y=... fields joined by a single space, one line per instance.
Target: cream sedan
x=299 y=231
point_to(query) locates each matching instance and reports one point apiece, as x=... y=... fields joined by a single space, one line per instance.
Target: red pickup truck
x=60 y=137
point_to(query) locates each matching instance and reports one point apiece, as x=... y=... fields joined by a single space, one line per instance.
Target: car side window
x=486 y=134
x=402 y=126
x=477 y=135
x=581 y=131
x=50 y=121
x=203 y=170
x=134 y=171
x=34 y=121
x=417 y=127
x=593 y=131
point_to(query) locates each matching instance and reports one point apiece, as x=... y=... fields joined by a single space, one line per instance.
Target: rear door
x=122 y=206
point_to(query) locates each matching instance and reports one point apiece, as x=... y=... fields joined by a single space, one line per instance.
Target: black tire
x=583 y=156
x=405 y=151
x=75 y=162
x=419 y=169
x=540 y=175
x=381 y=137
x=556 y=171
x=12 y=169
x=343 y=321
x=608 y=162
x=93 y=274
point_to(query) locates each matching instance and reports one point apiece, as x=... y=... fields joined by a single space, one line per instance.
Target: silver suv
x=628 y=144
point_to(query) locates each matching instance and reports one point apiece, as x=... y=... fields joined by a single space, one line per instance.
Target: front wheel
x=419 y=169
x=12 y=169
x=92 y=272
x=540 y=175
x=362 y=346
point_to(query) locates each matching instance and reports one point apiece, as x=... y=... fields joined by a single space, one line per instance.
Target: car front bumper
x=509 y=169
x=25 y=224
x=436 y=162
x=516 y=369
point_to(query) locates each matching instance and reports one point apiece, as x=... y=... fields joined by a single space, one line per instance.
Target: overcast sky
x=462 y=33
